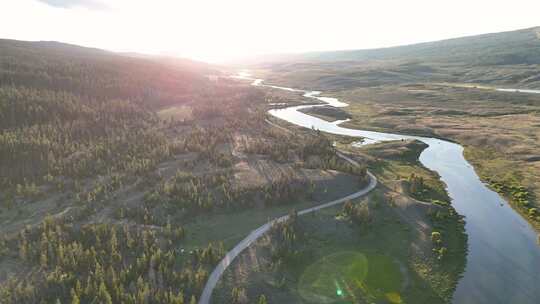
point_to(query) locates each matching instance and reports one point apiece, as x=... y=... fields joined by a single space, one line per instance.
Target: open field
x=217 y=227
x=176 y=112
x=333 y=277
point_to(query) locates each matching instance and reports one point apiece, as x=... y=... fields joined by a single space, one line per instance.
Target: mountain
x=514 y=47
x=98 y=73
x=505 y=59
x=75 y=111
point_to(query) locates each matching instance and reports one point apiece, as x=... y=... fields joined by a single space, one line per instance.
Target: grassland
x=334 y=277
x=327 y=113
x=216 y=227
x=508 y=178
x=181 y=113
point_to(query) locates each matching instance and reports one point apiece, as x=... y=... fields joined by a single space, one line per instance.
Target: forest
x=98 y=187
x=106 y=264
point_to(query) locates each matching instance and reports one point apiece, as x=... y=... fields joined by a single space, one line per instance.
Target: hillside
x=120 y=175
x=62 y=104
x=513 y=47
x=97 y=73
x=506 y=59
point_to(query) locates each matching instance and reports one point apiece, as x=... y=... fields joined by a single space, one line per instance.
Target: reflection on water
x=503 y=262
x=520 y=91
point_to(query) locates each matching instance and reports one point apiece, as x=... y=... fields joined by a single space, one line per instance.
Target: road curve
x=257 y=233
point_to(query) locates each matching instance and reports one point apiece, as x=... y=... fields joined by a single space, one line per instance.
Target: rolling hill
x=513 y=47
x=505 y=59
x=98 y=73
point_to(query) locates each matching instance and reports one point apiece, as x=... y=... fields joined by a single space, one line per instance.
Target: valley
x=404 y=174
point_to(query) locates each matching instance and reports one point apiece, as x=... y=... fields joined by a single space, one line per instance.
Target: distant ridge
x=512 y=47
x=99 y=73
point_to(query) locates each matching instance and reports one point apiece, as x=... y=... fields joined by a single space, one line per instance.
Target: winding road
x=257 y=233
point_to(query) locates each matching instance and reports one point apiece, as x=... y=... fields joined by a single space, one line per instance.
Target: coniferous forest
x=97 y=186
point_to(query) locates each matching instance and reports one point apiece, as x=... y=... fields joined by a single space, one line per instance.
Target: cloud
x=90 y=4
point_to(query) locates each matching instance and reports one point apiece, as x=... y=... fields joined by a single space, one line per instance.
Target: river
x=503 y=260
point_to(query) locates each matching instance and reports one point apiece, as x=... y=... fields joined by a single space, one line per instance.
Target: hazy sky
x=216 y=30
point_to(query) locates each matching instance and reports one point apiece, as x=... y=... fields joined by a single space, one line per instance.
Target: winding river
x=503 y=261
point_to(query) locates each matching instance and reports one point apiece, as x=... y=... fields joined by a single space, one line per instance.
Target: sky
x=222 y=30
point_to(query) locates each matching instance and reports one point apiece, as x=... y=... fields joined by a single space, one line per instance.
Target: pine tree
x=3 y=247
x=262 y=300
x=23 y=247
x=43 y=260
x=74 y=297
x=103 y=295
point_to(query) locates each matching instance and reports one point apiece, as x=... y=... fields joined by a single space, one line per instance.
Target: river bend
x=503 y=260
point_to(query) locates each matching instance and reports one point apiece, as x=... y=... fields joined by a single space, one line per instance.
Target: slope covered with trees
x=100 y=192
x=68 y=110
x=97 y=73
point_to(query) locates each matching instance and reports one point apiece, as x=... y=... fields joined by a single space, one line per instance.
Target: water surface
x=520 y=91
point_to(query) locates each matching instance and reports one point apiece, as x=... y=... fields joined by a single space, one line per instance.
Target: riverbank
x=498 y=129
x=498 y=134
x=506 y=177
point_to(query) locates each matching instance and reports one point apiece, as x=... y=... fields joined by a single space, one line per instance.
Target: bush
x=436 y=237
